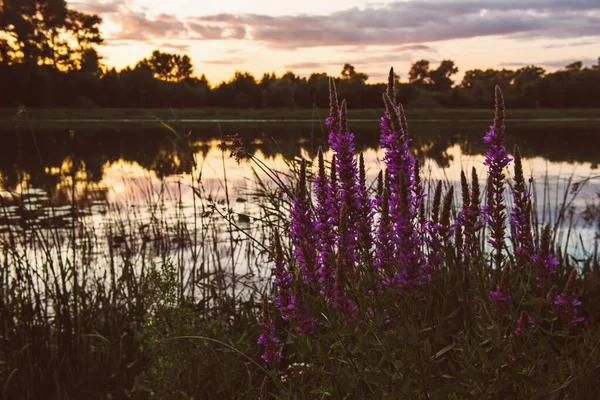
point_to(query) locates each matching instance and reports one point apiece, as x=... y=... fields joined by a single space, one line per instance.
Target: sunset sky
x=222 y=36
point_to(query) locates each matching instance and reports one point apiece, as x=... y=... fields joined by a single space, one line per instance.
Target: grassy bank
x=434 y=301
x=8 y=114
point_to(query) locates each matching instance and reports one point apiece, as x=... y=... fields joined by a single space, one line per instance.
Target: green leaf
x=501 y=357
x=453 y=313
x=336 y=345
x=443 y=351
x=377 y=377
x=427 y=348
x=484 y=358
x=321 y=392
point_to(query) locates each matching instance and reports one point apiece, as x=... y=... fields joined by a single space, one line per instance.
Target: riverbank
x=108 y=114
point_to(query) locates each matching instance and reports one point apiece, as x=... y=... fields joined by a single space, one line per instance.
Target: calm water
x=116 y=160
x=128 y=178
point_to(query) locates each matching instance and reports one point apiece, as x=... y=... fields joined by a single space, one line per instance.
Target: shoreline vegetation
x=407 y=285
x=35 y=116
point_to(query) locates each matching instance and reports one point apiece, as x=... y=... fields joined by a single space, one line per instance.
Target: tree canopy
x=49 y=58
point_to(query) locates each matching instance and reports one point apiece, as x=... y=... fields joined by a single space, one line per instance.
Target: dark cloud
x=138 y=25
x=135 y=24
x=308 y=65
x=387 y=59
x=405 y=24
x=415 y=22
x=571 y=44
x=415 y=47
x=99 y=7
x=554 y=64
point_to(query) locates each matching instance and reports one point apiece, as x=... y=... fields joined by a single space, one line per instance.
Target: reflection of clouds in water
x=130 y=183
x=129 y=180
x=210 y=165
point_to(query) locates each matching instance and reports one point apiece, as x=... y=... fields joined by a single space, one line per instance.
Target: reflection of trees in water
x=34 y=155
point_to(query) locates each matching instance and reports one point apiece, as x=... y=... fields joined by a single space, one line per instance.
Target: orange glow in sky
x=316 y=36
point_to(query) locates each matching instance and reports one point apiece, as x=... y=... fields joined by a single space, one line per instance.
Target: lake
x=164 y=192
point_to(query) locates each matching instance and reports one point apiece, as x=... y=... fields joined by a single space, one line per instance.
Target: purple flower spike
x=501 y=296
x=412 y=271
x=325 y=233
x=267 y=337
x=567 y=309
x=342 y=143
x=304 y=322
x=302 y=229
x=501 y=299
x=524 y=324
x=544 y=262
x=384 y=255
x=365 y=218
x=345 y=265
x=470 y=218
x=520 y=217
x=282 y=282
x=566 y=303
x=398 y=158
x=496 y=160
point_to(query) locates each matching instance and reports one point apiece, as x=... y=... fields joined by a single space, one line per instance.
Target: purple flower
x=398 y=159
x=365 y=217
x=342 y=144
x=435 y=259
x=544 y=266
x=470 y=218
x=520 y=217
x=501 y=296
x=302 y=229
x=283 y=281
x=345 y=264
x=341 y=141
x=267 y=338
x=566 y=303
x=325 y=233
x=408 y=253
x=525 y=322
x=404 y=202
x=384 y=253
x=501 y=299
x=304 y=322
x=496 y=160
x=567 y=309
x=544 y=262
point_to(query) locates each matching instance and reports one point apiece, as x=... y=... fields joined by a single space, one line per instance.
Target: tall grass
x=87 y=295
x=156 y=297
x=431 y=300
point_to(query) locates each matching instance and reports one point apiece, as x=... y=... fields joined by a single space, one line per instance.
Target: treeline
x=49 y=58
x=142 y=87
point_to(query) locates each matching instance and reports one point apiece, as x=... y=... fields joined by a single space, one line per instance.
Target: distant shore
x=45 y=117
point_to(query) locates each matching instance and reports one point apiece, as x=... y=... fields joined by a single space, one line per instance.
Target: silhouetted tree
x=349 y=73
x=46 y=32
x=168 y=67
x=419 y=73
x=574 y=66
x=440 y=77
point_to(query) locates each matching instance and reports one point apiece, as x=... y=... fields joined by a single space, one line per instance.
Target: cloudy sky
x=306 y=36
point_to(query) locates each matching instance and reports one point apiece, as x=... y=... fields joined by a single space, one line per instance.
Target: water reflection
x=123 y=194
x=42 y=157
x=107 y=165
